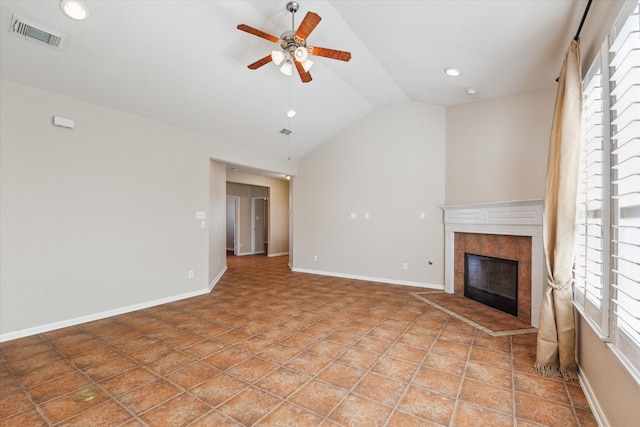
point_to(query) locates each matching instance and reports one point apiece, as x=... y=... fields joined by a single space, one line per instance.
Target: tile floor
x=271 y=347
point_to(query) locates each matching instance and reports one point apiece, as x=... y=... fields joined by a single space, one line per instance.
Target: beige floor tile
x=358 y=411
x=249 y=405
x=319 y=397
x=428 y=405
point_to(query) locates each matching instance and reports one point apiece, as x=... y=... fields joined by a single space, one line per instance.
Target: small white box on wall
x=63 y=122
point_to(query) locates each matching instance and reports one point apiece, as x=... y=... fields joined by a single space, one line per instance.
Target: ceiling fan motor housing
x=293 y=6
x=289 y=43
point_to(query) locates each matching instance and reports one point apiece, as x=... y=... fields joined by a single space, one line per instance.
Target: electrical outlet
x=405 y=266
x=315 y=257
x=191 y=274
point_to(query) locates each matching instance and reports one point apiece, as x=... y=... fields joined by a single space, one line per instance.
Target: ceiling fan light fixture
x=306 y=65
x=286 y=68
x=277 y=56
x=301 y=54
x=291 y=113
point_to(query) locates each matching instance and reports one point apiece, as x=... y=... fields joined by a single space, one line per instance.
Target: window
x=607 y=264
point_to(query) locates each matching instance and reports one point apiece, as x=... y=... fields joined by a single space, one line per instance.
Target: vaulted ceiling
x=185 y=63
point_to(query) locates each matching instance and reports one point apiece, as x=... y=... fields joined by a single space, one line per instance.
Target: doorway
x=233 y=235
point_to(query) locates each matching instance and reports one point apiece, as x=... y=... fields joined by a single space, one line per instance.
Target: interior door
x=259 y=227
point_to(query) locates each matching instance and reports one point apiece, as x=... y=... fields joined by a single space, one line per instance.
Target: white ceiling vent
x=25 y=28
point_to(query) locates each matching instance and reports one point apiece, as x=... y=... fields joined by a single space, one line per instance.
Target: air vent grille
x=25 y=28
x=285 y=131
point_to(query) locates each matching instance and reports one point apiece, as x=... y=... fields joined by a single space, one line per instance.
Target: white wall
x=497 y=149
x=391 y=165
x=102 y=217
x=217 y=220
x=614 y=391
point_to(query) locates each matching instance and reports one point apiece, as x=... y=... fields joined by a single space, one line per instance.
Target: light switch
x=354 y=215
x=422 y=215
x=201 y=215
x=366 y=215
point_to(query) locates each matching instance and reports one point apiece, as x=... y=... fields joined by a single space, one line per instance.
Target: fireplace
x=505 y=230
x=497 y=246
x=492 y=281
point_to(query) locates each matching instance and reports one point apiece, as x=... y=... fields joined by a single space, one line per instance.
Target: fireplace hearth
x=492 y=281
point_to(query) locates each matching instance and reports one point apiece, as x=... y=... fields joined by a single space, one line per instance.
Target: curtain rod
x=584 y=16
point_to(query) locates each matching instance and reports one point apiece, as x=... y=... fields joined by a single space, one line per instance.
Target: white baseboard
x=97 y=316
x=245 y=253
x=598 y=414
x=262 y=253
x=278 y=254
x=217 y=278
x=371 y=279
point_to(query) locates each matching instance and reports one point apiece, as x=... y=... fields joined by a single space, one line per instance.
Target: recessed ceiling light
x=471 y=91
x=452 y=72
x=291 y=113
x=74 y=9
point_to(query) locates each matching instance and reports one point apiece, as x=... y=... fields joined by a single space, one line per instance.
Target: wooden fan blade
x=329 y=53
x=256 y=32
x=307 y=25
x=260 y=62
x=305 y=76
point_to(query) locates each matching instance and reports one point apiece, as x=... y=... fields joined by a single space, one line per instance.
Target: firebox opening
x=492 y=281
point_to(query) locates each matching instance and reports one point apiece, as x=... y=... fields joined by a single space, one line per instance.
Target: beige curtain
x=556 y=330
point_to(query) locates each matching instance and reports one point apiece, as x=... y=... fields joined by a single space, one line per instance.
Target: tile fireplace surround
x=518 y=218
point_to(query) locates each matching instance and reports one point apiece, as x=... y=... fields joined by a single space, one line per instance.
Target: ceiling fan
x=294 y=51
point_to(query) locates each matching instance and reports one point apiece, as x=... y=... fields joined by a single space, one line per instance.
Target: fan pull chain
x=289 y=118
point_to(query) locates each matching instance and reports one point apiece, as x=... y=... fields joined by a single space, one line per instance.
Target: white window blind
x=625 y=178
x=607 y=263
x=590 y=258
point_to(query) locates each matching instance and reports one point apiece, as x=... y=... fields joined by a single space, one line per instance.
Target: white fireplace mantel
x=518 y=218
